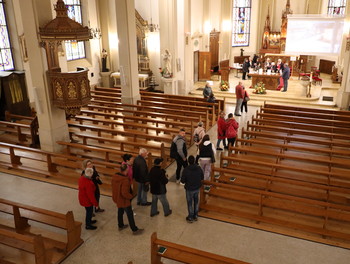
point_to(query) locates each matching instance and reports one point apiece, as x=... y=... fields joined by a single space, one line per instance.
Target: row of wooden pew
x=287 y=175
x=35 y=235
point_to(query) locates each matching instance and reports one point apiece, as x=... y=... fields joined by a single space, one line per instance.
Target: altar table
x=270 y=80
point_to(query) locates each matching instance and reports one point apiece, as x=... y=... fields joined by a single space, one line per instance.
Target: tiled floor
x=108 y=245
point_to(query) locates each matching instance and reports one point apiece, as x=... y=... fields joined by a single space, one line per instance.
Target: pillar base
x=106 y=79
x=169 y=86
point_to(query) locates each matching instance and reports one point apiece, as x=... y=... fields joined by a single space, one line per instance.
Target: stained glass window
x=336 y=7
x=74 y=49
x=6 y=59
x=241 y=23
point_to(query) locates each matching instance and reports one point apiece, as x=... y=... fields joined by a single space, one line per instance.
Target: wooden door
x=195 y=65
x=204 y=62
x=326 y=66
x=214 y=49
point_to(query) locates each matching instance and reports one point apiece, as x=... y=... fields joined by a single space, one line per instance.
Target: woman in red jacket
x=87 y=197
x=231 y=129
x=221 y=131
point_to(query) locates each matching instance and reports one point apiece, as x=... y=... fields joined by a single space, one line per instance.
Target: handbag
x=246 y=98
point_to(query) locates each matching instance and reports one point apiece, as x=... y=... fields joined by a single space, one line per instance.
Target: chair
x=315 y=71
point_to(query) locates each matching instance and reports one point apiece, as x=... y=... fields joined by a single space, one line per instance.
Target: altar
x=270 y=80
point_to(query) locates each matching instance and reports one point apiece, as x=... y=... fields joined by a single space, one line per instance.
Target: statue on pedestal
x=104 y=60
x=167 y=72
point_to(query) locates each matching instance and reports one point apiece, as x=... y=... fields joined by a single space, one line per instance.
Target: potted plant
x=259 y=88
x=224 y=86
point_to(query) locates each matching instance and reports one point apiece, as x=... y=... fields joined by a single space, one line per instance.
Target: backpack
x=173 y=150
x=196 y=138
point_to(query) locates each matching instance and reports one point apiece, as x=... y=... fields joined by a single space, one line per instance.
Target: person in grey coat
x=181 y=155
x=285 y=77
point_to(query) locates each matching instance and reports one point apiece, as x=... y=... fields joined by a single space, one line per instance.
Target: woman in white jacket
x=206 y=152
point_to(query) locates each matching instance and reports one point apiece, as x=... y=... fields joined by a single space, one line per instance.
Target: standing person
x=140 y=174
x=198 y=133
x=158 y=181
x=245 y=101
x=232 y=128
x=206 y=152
x=207 y=89
x=87 y=197
x=122 y=198
x=221 y=131
x=245 y=68
x=239 y=98
x=180 y=154
x=192 y=177
x=285 y=77
x=96 y=180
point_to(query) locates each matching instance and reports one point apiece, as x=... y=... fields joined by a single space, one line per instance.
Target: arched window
x=336 y=7
x=6 y=59
x=74 y=49
x=241 y=22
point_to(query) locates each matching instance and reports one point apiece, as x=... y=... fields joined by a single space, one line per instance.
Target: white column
x=52 y=121
x=126 y=24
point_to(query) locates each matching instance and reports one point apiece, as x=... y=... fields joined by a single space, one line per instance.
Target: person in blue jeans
x=192 y=177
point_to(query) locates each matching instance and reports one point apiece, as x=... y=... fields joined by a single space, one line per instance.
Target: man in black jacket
x=140 y=174
x=192 y=177
x=158 y=181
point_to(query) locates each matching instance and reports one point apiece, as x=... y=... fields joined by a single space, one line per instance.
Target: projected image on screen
x=322 y=36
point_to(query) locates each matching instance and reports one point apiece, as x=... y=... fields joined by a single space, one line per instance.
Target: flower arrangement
x=259 y=88
x=224 y=86
x=165 y=73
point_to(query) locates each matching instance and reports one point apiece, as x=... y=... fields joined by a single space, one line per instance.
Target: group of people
x=279 y=67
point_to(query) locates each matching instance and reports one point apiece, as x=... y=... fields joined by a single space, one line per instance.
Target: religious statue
x=167 y=73
x=242 y=52
x=104 y=61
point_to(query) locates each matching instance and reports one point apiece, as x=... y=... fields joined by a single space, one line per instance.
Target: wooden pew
x=32 y=245
x=107 y=98
x=285 y=214
x=221 y=102
x=185 y=254
x=307 y=109
x=51 y=167
x=27 y=120
x=128 y=113
x=289 y=169
x=309 y=119
x=200 y=116
x=71 y=228
x=182 y=101
x=156 y=148
x=298 y=125
x=198 y=110
x=108 y=89
x=104 y=154
x=293 y=131
x=295 y=139
x=273 y=183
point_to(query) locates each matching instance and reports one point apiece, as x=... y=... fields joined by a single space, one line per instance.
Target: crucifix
x=242 y=52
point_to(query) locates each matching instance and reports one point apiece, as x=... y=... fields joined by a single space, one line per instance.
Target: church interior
x=98 y=79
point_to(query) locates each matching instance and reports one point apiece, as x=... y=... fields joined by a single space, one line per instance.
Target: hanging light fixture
x=152 y=27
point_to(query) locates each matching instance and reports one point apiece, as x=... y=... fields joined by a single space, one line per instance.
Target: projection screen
x=314 y=35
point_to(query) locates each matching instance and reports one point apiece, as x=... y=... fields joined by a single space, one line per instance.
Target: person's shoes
x=120 y=228
x=157 y=213
x=237 y=115
x=178 y=181
x=284 y=91
x=138 y=231
x=189 y=220
x=93 y=215
x=225 y=147
x=195 y=218
x=219 y=149
x=93 y=221
x=170 y=212
x=182 y=183
x=90 y=227
x=146 y=204
x=99 y=210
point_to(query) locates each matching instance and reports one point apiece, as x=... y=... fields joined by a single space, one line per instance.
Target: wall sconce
x=347 y=43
